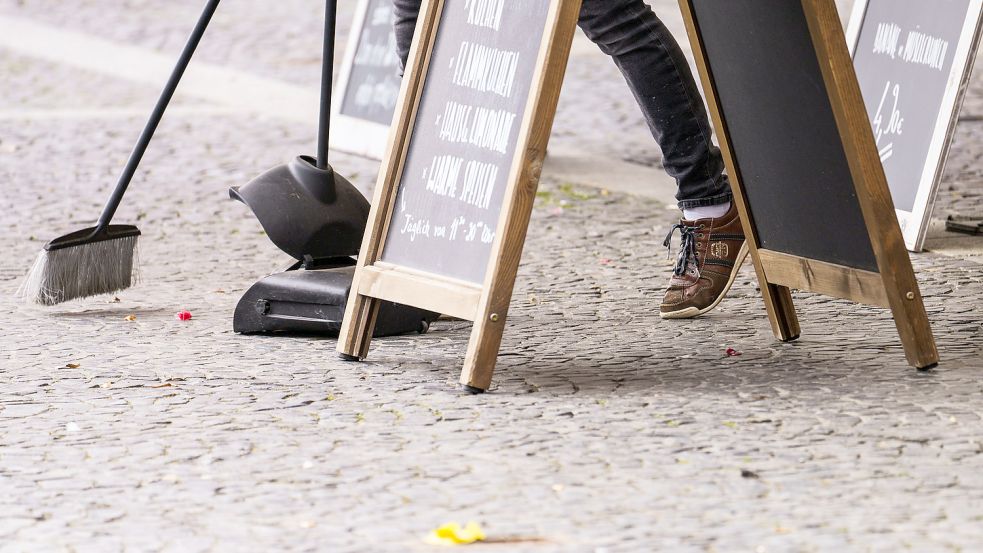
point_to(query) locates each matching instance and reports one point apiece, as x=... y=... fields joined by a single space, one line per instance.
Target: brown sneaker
x=712 y=253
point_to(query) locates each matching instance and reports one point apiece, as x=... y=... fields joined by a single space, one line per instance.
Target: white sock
x=706 y=211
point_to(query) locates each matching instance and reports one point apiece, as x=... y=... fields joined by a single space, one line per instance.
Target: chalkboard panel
x=372 y=85
x=464 y=137
x=798 y=185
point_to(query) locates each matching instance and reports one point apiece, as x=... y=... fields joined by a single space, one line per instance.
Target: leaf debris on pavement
x=452 y=533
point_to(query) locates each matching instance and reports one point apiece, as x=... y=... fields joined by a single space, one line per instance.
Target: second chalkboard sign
x=368 y=83
x=913 y=60
x=457 y=186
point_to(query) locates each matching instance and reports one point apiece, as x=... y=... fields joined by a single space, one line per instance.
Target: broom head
x=81 y=264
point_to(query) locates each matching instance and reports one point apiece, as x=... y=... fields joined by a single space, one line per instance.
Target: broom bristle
x=81 y=271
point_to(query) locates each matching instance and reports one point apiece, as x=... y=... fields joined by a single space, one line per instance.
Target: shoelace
x=687 y=245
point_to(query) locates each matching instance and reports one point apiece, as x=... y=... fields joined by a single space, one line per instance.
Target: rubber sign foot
x=472 y=390
x=346 y=357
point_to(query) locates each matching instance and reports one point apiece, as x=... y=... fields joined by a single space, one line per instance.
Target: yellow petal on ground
x=453 y=533
x=130 y=318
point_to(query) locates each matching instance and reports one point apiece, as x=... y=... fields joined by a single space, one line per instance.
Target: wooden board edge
x=873 y=193
x=824 y=278
x=520 y=194
x=422 y=290
x=360 y=311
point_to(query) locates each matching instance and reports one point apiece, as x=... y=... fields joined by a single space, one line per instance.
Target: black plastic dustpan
x=317 y=217
x=304 y=206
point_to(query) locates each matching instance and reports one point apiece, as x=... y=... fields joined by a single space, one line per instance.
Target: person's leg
x=660 y=79
x=405 y=13
x=662 y=83
x=712 y=247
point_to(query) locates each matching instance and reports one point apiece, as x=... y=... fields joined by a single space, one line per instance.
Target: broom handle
x=327 y=76
x=148 y=131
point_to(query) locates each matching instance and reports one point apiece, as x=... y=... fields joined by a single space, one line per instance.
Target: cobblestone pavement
x=607 y=429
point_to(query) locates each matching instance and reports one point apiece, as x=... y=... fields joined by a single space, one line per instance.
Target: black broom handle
x=327 y=75
x=148 y=131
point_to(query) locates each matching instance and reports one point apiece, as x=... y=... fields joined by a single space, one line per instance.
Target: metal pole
x=327 y=81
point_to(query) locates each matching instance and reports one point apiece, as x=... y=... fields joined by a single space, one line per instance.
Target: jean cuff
x=704 y=202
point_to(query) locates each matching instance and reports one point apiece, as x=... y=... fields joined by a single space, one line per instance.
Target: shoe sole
x=692 y=312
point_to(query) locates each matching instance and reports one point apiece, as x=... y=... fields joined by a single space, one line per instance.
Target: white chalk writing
x=918 y=48
x=479 y=183
x=459 y=229
x=485 y=69
x=485 y=13
x=378 y=93
x=927 y=50
x=442 y=175
x=415 y=227
x=479 y=126
x=383 y=15
x=886 y=39
x=377 y=54
x=894 y=124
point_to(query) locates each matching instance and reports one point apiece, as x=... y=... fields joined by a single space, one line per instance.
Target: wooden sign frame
x=349 y=134
x=915 y=223
x=893 y=285
x=486 y=305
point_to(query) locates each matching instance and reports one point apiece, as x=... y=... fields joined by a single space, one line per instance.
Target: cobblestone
x=607 y=429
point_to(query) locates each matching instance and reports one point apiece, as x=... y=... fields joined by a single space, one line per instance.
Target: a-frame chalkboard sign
x=804 y=167
x=457 y=185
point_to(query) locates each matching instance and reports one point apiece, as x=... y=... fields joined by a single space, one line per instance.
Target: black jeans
x=659 y=77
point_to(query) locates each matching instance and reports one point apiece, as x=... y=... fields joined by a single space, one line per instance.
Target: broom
x=101 y=259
